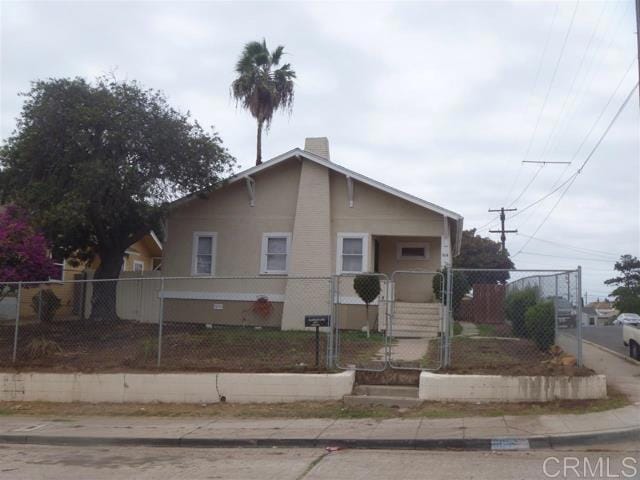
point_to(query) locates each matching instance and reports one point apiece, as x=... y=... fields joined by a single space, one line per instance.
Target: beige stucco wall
x=239 y=226
x=232 y=313
x=410 y=287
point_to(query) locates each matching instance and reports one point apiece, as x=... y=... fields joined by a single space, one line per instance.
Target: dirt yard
x=498 y=356
x=132 y=346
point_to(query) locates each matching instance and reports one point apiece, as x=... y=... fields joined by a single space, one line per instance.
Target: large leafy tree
x=481 y=252
x=627 y=291
x=261 y=87
x=24 y=252
x=95 y=164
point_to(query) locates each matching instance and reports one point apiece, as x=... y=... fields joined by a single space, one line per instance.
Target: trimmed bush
x=368 y=288
x=460 y=288
x=515 y=308
x=540 y=323
x=45 y=304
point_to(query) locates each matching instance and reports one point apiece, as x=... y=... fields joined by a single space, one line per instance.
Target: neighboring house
x=142 y=256
x=298 y=215
x=604 y=312
x=589 y=317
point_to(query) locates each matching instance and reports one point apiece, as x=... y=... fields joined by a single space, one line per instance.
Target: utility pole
x=502 y=231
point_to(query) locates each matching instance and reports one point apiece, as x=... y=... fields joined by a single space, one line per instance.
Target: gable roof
x=298 y=152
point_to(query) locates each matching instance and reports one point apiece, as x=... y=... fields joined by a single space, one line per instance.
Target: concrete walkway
x=469 y=329
x=469 y=432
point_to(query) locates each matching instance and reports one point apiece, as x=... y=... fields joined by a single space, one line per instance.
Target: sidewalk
x=470 y=432
x=480 y=433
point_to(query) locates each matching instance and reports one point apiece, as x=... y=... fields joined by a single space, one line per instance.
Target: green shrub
x=460 y=288
x=515 y=308
x=45 y=304
x=540 y=323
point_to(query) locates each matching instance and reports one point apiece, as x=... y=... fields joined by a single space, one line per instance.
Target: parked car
x=631 y=337
x=627 y=319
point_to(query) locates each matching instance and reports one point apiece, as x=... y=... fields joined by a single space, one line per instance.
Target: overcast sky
x=439 y=99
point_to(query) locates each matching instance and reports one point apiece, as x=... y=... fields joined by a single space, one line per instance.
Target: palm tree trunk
x=259 y=144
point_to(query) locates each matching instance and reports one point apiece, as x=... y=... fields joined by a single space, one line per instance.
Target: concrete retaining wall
x=497 y=388
x=174 y=387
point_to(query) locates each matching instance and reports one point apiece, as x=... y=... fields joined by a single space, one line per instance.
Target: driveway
x=609 y=337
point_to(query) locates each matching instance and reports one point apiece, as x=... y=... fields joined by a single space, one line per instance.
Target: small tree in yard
x=540 y=324
x=95 y=165
x=515 y=307
x=460 y=288
x=24 y=253
x=368 y=288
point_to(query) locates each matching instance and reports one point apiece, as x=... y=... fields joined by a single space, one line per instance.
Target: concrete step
x=406 y=307
x=422 y=328
x=416 y=321
x=414 y=334
x=386 y=390
x=369 y=400
x=417 y=316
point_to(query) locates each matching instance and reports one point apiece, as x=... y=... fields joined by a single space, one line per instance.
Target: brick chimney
x=318 y=146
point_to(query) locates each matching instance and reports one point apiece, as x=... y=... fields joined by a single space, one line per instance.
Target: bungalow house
x=287 y=226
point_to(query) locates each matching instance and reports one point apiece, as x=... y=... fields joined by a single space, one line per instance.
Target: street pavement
x=609 y=337
x=59 y=462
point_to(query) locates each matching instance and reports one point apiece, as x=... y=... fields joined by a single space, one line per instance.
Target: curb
x=524 y=443
x=612 y=352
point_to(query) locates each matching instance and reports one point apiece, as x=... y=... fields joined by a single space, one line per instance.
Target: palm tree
x=260 y=87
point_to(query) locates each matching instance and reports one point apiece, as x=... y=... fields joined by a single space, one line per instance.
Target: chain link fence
x=465 y=321
x=238 y=324
x=513 y=321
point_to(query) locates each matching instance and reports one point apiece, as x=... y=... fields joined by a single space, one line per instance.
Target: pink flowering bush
x=24 y=253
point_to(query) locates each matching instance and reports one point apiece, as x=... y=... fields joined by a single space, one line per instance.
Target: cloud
x=440 y=99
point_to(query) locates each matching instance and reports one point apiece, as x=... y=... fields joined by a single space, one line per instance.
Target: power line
x=584 y=250
x=564 y=256
x=533 y=89
x=584 y=164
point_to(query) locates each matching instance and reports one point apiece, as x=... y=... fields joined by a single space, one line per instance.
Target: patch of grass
x=485 y=330
x=457 y=328
x=337 y=410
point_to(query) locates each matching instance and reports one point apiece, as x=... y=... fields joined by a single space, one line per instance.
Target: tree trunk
x=103 y=299
x=259 y=144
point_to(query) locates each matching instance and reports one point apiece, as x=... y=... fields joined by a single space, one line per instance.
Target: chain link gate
x=402 y=334
x=417 y=321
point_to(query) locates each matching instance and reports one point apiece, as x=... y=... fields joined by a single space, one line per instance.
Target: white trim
x=138 y=262
x=423 y=245
x=155 y=238
x=194 y=253
x=365 y=251
x=350 y=190
x=251 y=190
x=228 y=296
x=263 y=252
x=297 y=152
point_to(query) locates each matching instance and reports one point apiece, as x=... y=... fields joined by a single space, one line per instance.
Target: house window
x=413 y=251
x=204 y=253
x=352 y=253
x=138 y=266
x=275 y=253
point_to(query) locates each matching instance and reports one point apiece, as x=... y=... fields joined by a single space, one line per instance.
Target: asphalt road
x=609 y=337
x=35 y=462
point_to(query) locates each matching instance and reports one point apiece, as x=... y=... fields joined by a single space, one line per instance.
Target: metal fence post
x=331 y=324
x=160 y=320
x=579 y=314
x=449 y=319
x=15 y=333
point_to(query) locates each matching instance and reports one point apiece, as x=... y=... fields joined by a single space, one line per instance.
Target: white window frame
x=263 y=253
x=402 y=245
x=365 y=251
x=138 y=262
x=194 y=253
